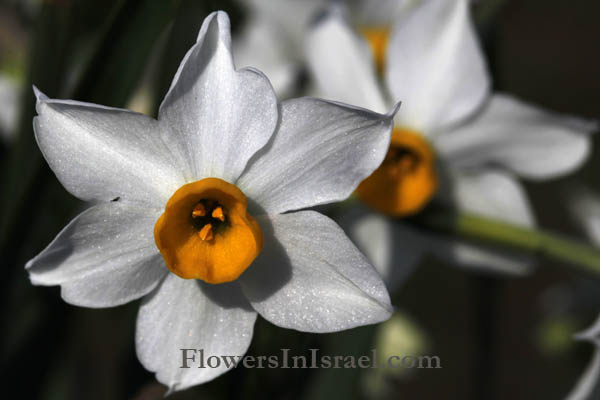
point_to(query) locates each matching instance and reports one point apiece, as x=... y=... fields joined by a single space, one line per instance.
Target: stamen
x=206 y=232
x=199 y=210
x=218 y=214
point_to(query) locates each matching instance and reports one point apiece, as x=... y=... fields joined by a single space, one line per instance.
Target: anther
x=199 y=210
x=218 y=214
x=206 y=232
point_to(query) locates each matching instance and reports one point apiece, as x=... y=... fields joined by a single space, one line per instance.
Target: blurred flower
x=220 y=136
x=273 y=37
x=454 y=143
x=9 y=106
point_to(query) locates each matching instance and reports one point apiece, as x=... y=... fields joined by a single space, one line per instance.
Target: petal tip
x=29 y=264
x=40 y=97
x=216 y=27
x=583 y=336
x=392 y=113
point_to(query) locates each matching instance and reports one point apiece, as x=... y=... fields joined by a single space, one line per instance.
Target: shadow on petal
x=272 y=269
x=227 y=295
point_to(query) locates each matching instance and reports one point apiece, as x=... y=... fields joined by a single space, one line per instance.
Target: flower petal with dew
x=107 y=257
x=190 y=210
x=336 y=137
x=338 y=286
x=190 y=314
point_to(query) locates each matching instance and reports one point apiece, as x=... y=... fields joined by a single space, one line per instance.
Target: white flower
x=453 y=141
x=273 y=37
x=220 y=136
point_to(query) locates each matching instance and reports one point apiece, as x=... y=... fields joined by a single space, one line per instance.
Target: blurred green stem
x=581 y=256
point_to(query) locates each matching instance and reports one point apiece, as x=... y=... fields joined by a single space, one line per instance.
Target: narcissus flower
x=197 y=211
x=453 y=142
x=273 y=37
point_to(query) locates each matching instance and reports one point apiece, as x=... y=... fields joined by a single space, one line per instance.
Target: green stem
x=579 y=255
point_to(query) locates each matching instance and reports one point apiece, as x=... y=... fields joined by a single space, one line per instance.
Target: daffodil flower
x=454 y=142
x=197 y=211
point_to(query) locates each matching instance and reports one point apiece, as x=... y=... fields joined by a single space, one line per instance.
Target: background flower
x=479 y=141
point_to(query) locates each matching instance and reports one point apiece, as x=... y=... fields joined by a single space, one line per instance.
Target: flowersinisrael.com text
x=195 y=358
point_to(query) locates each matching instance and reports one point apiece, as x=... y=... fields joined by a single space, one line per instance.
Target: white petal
x=219 y=117
x=104 y=257
x=482 y=258
x=261 y=45
x=273 y=39
x=290 y=16
x=100 y=153
x=585 y=207
x=435 y=65
x=189 y=314
x=310 y=277
x=588 y=386
x=342 y=64
x=319 y=154
x=494 y=195
x=378 y=13
x=393 y=247
x=531 y=142
x=591 y=334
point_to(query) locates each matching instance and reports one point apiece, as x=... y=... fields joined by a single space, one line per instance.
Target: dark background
x=498 y=337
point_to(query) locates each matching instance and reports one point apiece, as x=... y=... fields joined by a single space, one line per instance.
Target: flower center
x=206 y=233
x=406 y=180
x=378 y=38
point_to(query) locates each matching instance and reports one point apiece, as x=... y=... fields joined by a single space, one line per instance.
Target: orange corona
x=206 y=233
x=378 y=38
x=406 y=180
